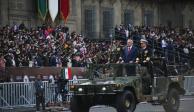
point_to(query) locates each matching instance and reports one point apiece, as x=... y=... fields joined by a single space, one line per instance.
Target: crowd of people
x=48 y=46
x=175 y=44
x=57 y=47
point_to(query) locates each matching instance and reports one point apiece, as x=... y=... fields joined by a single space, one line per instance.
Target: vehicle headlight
x=80 y=89
x=118 y=85
x=103 y=88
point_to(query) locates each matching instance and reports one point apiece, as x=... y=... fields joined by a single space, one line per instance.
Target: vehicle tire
x=172 y=101
x=126 y=102
x=78 y=105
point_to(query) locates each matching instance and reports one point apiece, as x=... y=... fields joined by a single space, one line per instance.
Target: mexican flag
x=43 y=8
x=68 y=73
x=54 y=6
x=64 y=9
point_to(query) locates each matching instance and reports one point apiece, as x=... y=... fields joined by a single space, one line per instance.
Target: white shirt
x=164 y=43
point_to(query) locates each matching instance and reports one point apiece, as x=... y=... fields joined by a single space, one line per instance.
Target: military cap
x=143 y=41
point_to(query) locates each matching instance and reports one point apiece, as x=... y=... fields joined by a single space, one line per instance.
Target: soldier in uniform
x=144 y=56
x=39 y=92
x=144 y=53
x=144 y=60
x=61 y=83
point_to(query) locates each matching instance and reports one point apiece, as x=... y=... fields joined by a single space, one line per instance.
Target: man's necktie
x=129 y=49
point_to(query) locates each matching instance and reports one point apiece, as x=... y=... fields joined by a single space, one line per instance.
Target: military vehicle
x=123 y=86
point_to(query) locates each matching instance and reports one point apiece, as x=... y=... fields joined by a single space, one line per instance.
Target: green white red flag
x=64 y=9
x=53 y=8
x=68 y=73
x=43 y=8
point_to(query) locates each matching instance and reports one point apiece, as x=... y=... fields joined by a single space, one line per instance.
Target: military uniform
x=143 y=56
x=61 y=83
x=144 y=59
x=40 y=97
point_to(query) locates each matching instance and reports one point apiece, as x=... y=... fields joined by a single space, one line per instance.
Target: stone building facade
x=96 y=18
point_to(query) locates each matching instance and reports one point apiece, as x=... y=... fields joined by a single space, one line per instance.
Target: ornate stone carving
x=112 y=2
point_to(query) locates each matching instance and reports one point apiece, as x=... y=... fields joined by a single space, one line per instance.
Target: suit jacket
x=130 y=56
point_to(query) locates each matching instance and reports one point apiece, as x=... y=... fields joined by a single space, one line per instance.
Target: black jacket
x=61 y=85
x=39 y=87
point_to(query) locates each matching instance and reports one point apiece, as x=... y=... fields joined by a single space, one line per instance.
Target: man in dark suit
x=130 y=52
x=129 y=56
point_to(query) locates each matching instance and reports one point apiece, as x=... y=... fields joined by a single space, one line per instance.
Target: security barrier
x=189 y=85
x=17 y=73
x=16 y=94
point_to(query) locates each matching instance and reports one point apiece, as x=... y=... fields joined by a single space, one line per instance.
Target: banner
x=64 y=8
x=53 y=8
x=42 y=8
x=68 y=73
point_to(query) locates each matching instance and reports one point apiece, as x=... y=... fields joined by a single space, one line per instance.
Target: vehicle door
x=160 y=77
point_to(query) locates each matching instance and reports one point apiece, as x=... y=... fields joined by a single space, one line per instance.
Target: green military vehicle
x=123 y=86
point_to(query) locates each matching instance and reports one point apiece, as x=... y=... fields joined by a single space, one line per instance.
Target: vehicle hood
x=111 y=80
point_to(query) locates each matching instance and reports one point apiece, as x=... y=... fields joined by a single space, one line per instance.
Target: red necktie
x=129 y=49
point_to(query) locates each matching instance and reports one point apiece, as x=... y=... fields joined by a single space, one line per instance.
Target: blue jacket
x=130 y=56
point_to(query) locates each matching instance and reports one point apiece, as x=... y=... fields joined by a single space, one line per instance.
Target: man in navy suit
x=129 y=56
x=130 y=52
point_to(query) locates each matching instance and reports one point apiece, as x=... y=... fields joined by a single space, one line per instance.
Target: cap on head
x=143 y=41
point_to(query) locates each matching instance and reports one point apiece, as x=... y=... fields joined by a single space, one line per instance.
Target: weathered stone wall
x=172 y=13
x=177 y=14
x=3 y=12
x=18 y=11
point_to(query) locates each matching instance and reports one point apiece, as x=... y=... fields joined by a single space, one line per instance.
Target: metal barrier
x=15 y=94
x=189 y=85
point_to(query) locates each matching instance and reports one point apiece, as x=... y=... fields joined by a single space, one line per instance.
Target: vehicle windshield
x=111 y=70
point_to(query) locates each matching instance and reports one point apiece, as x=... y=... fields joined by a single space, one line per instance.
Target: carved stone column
x=98 y=12
x=4 y=12
x=78 y=15
x=117 y=13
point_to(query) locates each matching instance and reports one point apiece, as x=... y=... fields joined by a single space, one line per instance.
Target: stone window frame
x=106 y=33
x=92 y=33
x=20 y=4
x=132 y=16
x=150 y=15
